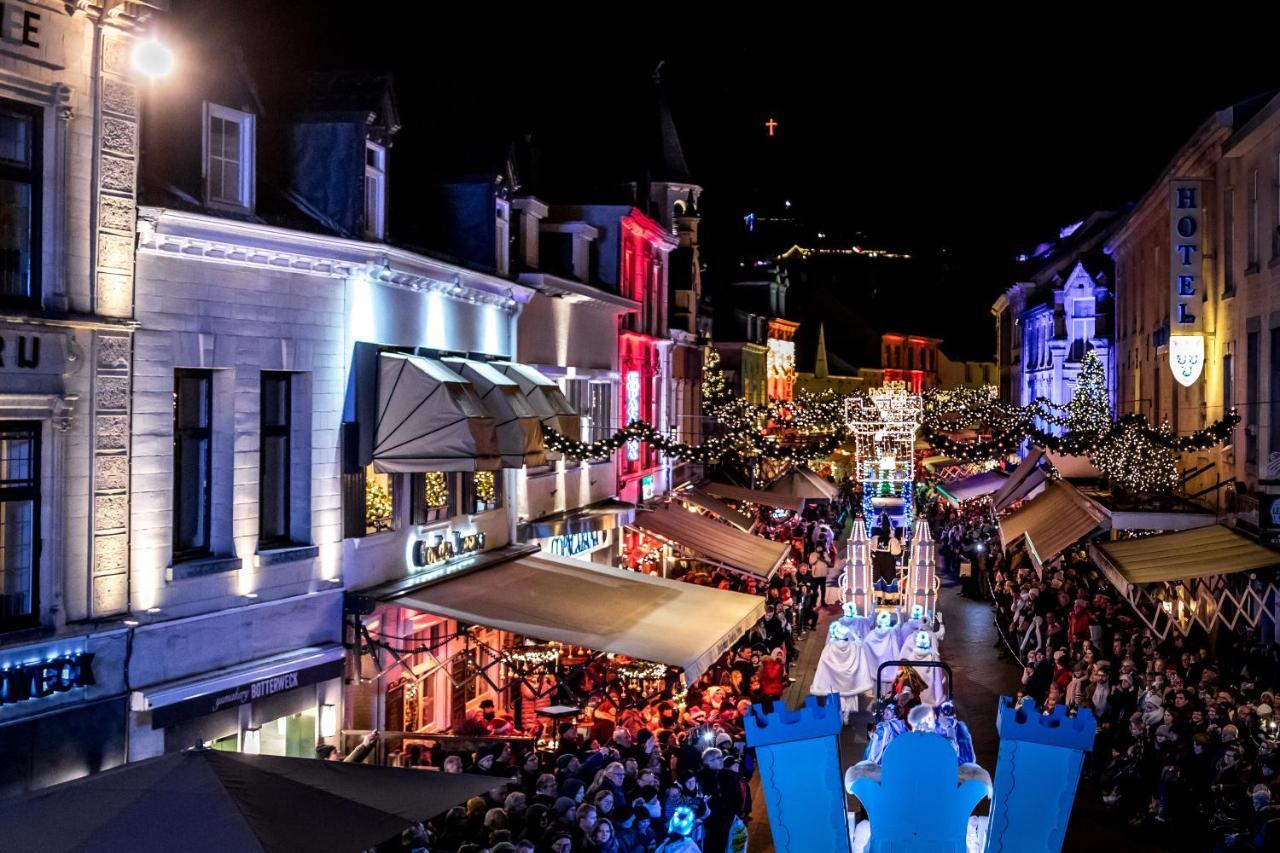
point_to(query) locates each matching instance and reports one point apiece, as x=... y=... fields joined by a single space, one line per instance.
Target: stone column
x=799 y=763
x=1036 y=776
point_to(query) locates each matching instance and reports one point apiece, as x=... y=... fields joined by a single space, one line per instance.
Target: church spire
x=820 y=357
x=666 y=160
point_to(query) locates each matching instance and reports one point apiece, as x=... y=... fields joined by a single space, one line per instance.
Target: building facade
x=70 y=102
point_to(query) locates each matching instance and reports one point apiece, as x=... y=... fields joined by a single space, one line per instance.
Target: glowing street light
x=152 y=59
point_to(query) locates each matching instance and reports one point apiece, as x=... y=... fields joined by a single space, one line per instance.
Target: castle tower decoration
x=922 y=580
x=884 y=425
x=858 y=586
x=1043 y=755
x=799 y=758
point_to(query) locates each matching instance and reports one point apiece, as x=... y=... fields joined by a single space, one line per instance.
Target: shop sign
x=444 y=547
x=32 y=33
x=646 y=487
x=571 y=544
x=42 y=679
x=1269 y=533
x=243 y=694
x=1186 y=281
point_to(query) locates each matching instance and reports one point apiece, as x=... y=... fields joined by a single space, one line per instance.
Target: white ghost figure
x=921 y=718
x=881 y=644
x=843 y=669
x=922 y=646
x=857 y=625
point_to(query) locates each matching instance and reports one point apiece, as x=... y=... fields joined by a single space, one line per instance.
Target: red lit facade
x=911 y=360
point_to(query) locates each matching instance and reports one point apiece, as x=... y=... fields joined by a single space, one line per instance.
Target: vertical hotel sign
x=1186 y=280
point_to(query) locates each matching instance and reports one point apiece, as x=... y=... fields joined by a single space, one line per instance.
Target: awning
x=714 y=542
x=545 y=398
x=699 y=498
x=610 y=610
x=519 y=430
x=1073 y=467
x=803 y=483
x=1186 y=554
x=1052 y=521
x=755 y=496
x=973 y=487
x=175 y=701
x=430 y=419
x=604 y=515
x=1023 y=479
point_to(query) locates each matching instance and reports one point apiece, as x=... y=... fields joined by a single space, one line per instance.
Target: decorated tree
x=716 y=392
x=1089 y=412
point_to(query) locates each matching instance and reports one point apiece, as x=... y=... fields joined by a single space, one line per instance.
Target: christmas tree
x=1089 y=412
x=716 y=393
x=1135 y=464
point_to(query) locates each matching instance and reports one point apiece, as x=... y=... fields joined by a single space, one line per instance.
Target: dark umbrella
x=223 y=801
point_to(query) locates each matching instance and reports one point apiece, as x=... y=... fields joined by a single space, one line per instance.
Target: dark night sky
x=926 y=141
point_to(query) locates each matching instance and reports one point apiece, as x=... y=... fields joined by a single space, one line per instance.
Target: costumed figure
x=881 y=644
x=885 y=551
x=889 y=727
x=954 y=729
x=922 y=620
x=923 y=647
x=858 y=625
x=842 y=669
x=682 y=824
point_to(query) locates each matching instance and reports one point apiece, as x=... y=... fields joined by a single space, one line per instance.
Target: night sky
x=952 y=147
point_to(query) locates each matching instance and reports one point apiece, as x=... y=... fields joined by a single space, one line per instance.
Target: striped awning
x=754 y=496
x=712 y=541
x=699 y=498
x=1025 y=478
x=1052 y=521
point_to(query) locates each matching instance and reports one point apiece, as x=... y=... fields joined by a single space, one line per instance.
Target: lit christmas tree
x=1135 y=464
x=715 y=387
x=1089 y=412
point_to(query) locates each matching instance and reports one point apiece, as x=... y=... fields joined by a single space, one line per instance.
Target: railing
x=389 y=743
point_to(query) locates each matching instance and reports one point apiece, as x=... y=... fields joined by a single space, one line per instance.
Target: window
x=482 y=491
x=379 y=501
x=19 y=524
x=432 y=496
x=502 y=234
x=1251 y=397
x=375 y=190
x=228 y=157
x=1228 y=383
x=192 y=462
x=19 y=203
x=1252 y=236
x=1228 y=242
x=274 y=459
x=601 y=410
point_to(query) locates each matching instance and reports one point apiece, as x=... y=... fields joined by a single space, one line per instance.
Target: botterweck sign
x=243 y=694
x=1186 y=280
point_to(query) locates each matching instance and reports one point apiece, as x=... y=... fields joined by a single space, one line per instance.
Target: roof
x=351 y=92
x=666 y=156
x=714 y=542
x=1186 y=554
x=1052 y=521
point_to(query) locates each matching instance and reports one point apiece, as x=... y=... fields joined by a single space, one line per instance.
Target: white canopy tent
x=430 y=419
x=518 y=426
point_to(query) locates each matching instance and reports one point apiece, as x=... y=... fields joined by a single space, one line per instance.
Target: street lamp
x=152 y=59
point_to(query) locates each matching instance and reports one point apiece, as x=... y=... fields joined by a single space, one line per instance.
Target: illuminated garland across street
x=1135 y=456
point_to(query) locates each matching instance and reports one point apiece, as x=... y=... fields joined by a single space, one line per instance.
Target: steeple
x=820 y=357
x=666 y=159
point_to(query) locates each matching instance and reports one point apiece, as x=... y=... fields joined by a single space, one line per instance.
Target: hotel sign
x=34 y=33
x=1186 y=280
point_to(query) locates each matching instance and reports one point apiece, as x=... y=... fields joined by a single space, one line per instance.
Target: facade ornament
x=64 y=410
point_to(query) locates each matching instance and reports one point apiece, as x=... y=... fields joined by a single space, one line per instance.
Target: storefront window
x=293 y=736
x=19 y=521
x=433 y=497
x=484 y=492
x=379 y=501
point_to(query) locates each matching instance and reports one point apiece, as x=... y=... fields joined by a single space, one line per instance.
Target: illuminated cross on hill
x=771 y=124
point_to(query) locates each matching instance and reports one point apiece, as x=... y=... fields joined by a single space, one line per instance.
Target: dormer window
x=502 y=234
x=228 y=157
x=375 y=191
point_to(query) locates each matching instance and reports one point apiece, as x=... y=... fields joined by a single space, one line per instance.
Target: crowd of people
x=645 y=767
x=1187 y=748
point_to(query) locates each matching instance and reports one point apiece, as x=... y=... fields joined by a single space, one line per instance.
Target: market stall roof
x=1051 y=521
x=803 y=483
x=1020 y=483
x=755 y=496
x=610 y=610
x=1186 y=554
x=703 y=500
x=545 y=397
x=602 y=515
x=1073 y=467
x=714 y=542
x=519 y=428
x=430 y=419
x=213 y=800
x=973 y=487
